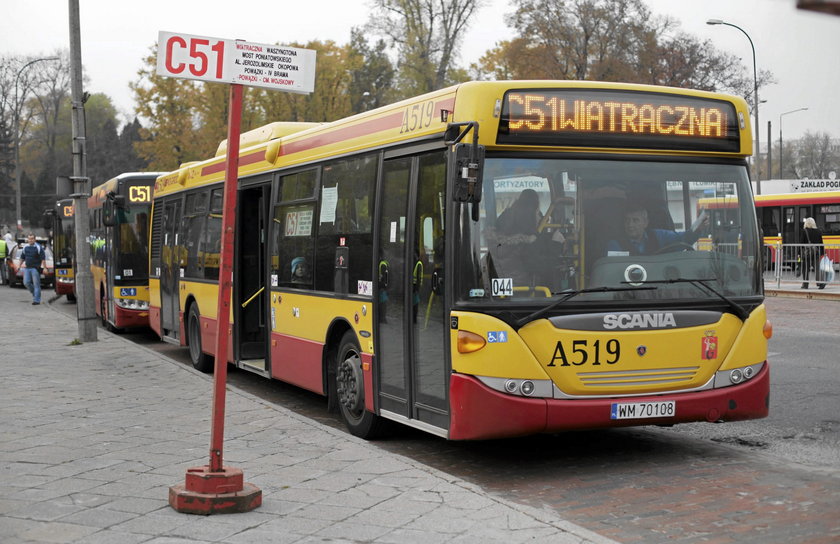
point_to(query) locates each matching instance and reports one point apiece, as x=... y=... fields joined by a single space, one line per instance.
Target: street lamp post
x=17 y=109
x=781 y=147
x=755 y=102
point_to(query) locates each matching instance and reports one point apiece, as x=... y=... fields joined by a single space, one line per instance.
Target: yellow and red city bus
x=781 y=217
x=119 y=211
x=376 y=262
x=64 y=243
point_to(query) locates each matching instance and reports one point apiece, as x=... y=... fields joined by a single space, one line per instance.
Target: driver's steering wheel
x=676 y=245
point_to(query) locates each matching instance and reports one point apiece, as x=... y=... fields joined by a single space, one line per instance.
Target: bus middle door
x=170 y=304
x=412 y=328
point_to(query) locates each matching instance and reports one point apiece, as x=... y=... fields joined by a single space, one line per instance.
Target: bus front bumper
x=129 y=319
x=479 y=412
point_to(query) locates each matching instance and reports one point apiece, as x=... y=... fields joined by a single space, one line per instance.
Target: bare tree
x=426 y=34
x=815 y=155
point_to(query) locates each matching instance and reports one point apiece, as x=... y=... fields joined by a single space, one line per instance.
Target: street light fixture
x=17 y=109
x=781 y=148
x=755 y=102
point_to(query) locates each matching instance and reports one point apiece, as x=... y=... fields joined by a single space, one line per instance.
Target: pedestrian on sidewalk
x=32 y=259
x=3 y=250
x=811 y=254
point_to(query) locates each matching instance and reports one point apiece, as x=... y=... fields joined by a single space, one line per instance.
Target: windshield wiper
x=736 y=308
x=570 y=293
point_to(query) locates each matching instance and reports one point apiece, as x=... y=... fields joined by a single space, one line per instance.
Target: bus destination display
x=605 y=118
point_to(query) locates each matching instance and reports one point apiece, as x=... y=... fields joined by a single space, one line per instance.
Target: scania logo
x=641 y=320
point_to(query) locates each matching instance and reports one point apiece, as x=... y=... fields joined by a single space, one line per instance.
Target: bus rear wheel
x=200 y=360
x=350 y=390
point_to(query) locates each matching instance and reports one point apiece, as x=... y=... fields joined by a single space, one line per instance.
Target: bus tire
x=103 y=310
x=200 y=360
x=350 y=390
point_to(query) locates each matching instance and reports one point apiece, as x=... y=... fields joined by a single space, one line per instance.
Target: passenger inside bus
x=640 y=239
x=300 y=271
x=520 y=251
x=521 y=217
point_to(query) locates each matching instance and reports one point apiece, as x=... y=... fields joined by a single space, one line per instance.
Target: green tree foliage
x=169 y=106
x=43 y=108
x=129 y=137
x=371 y=73
x=329 y=101
x=188 y=119
x=43 y=91
x=426 y=35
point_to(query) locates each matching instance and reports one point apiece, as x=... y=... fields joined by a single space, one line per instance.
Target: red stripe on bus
x=373 y=126
x=346 y=133
x=244 y=160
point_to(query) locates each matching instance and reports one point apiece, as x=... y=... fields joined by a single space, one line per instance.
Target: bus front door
x=249 y=310
x=412 y=329
x=170 y=305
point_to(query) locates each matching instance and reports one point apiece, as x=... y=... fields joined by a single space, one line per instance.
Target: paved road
x=699 y=483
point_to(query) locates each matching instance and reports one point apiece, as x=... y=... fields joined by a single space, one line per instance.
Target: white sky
x=801 y=48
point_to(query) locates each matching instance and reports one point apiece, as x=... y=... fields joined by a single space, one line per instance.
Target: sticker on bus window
x=128 y=273
x=365 y=287
x=329 y=201
x=502 y=287
x=274 y=280
x=298 y=223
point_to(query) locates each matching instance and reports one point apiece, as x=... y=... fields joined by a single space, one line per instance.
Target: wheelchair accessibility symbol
x=497 y=337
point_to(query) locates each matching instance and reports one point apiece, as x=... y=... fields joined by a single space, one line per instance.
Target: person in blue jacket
x=32 y=259
x=639 y=239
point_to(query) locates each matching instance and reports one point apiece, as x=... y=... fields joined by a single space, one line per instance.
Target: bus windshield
x=549 y=227
x=132 y=243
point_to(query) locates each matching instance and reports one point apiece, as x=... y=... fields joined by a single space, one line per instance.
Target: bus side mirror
x=469 y=166
x=48 y=219
x=113 y=202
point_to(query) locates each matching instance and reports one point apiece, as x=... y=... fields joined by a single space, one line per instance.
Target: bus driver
x=638 y=239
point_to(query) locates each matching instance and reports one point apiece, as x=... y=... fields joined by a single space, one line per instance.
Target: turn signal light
x=768 y=329
x=469 y=342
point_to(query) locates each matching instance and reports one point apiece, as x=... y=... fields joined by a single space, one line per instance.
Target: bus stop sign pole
x=216 y=488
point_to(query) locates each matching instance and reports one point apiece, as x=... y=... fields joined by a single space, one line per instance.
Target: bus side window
x=293 y=243
x=345 y=239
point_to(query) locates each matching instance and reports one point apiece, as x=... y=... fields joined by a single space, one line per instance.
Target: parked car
x=13 y=262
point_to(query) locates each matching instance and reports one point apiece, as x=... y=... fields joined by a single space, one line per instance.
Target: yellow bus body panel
x=142 y=292
x=309 y=317
x=651 y=361
x=511 y=359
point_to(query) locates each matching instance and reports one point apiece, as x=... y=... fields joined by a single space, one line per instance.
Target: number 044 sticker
x=502 y=287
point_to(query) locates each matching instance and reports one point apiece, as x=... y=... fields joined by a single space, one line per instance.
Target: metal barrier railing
x=793 y=262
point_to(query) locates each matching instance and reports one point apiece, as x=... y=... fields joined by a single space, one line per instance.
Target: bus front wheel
x=103 y=310
x=200 y=360
x=350 y=389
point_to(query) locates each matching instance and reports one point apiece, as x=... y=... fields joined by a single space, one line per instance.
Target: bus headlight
x=520 y=387
x=735 y=376
x=132 y=304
